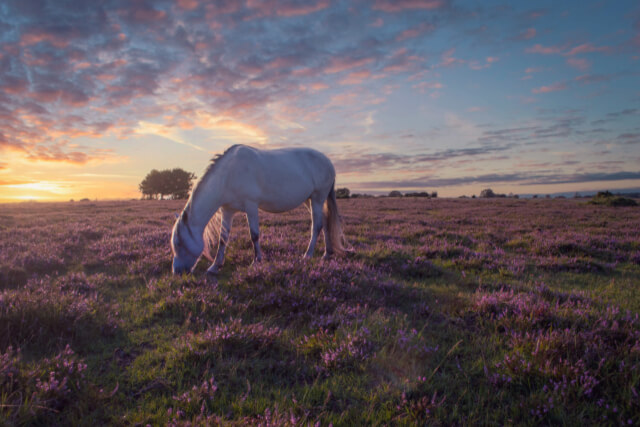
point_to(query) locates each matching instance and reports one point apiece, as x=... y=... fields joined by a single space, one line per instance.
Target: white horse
x=245 y=179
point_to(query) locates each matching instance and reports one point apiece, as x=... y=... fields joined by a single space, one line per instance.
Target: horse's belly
x=281 y=205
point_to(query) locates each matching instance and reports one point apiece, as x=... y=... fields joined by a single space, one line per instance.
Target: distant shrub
x=487 y=193
x=418 y=194
x=342 y=193
x=395 y=193
x=606 y=198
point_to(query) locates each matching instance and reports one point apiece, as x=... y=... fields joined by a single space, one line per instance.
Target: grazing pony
x=245 y=179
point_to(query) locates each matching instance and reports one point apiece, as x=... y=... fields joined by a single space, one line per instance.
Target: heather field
x=450 y=312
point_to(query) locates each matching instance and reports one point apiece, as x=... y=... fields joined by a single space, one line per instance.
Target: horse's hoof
x=327 y=256
x=213 y=271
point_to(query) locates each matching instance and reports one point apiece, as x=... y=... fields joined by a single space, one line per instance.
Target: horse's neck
x=205 y=202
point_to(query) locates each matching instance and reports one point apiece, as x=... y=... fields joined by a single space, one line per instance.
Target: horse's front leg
x=254 y=229
x=223 y=240
x=316 y=226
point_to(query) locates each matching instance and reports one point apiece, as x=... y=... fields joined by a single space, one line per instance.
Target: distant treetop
x=175 y=183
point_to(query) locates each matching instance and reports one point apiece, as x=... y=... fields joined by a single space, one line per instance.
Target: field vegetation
x=450 y=312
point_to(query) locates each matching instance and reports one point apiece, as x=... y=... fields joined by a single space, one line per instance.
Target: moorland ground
x=452 y=312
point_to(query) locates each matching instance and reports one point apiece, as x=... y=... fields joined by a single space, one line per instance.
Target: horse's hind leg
x=316 y=225
x=223 y=240
x=328 y=246
x=254 y=229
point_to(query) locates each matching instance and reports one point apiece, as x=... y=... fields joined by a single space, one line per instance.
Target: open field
x=450 y=312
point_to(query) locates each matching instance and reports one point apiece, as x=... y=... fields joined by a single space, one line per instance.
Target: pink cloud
x=188 y=4
x=401 y=61
x=355 y=78
x=36 y=36
x=580 y=64
x=527 y=34
x=545 y=50
x=551 y=88
x=475 y=65
x=400 y=5
x=285 y=9
x=337 y=65
x=148 y=14
x=377 y=23
x=424 y=86
x=302 y=9
x=281 y=62
x=557 y=50
x=587 y=48
x=448 y=59
x=318 y=86
x=414 y=32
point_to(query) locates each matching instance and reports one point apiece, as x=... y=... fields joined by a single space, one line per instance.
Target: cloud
x=566 y=51
x=593 y=78
x=527 y=34
x=403 y=5
x=356 y=77
x=557 y=125
x=629 y=138
x=354 y=162
x=625 y=112
x=401 y=61
x=188 y=4
x=551 y=88
x=415 y=31
x=587 y=48
x=425 y=86
x=448 y=59
x=522 y=178
x=475 y=65
x=545 y=50
x=579 y=63
x=262 y=8
x=340 y=64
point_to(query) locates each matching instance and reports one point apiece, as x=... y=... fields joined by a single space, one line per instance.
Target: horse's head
x=186 y=245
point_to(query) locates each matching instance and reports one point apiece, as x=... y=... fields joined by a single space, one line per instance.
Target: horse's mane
x=213 y=228
x=215 y=159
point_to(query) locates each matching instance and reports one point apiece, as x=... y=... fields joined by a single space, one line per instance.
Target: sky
x=410 y=95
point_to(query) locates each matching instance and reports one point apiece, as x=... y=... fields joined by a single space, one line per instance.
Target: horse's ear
x=177 y=215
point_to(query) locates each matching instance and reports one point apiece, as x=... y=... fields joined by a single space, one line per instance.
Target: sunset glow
x=410 y=95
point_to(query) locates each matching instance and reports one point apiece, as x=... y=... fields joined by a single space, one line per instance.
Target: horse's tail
x=334 y=223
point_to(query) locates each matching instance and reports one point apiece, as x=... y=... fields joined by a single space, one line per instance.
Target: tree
x=169 y=182
x=487 y=193
x=342 y=193
x=395 y=193
x=149 y=187
x=180 y=183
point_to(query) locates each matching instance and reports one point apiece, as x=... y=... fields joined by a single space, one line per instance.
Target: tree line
x=172 y=183
x=344 y=193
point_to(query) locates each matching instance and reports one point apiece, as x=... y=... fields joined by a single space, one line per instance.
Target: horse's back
x=279 y=179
